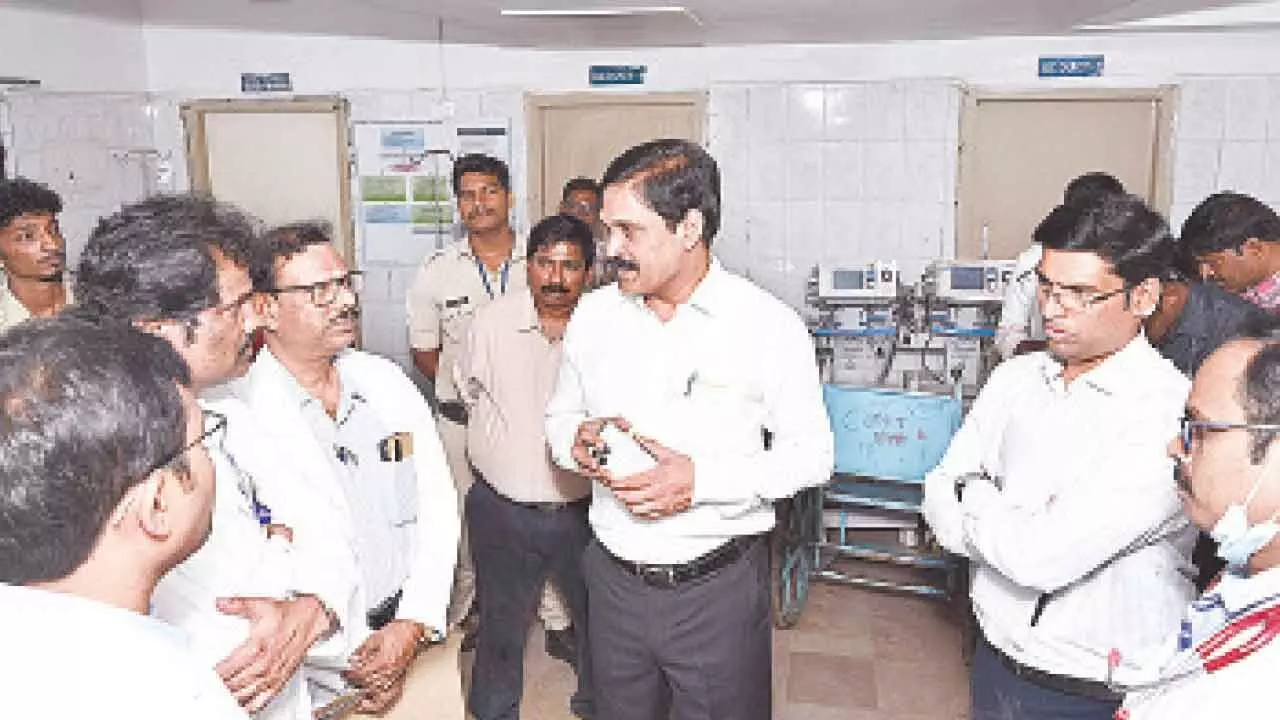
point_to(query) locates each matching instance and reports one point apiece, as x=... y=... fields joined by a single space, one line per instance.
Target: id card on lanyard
x=484 y=277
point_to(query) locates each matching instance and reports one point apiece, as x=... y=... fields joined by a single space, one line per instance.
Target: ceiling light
x=638 y=11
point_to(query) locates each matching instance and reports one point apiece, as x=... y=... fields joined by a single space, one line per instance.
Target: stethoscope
x=1247 y=631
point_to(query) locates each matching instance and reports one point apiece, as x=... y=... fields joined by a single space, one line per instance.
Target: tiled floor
x=854 y=655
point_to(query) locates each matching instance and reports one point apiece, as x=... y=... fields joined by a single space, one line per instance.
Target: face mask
x=1237 y=539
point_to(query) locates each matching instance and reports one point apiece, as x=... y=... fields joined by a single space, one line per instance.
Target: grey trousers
x=701 y=650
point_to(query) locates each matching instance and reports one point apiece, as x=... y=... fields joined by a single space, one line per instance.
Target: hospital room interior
x=914 y=188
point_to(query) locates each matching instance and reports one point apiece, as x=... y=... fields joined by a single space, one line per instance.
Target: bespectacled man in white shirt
x=699 y=363
x=1058 y=486
x=105 y=485
x=1223 y=658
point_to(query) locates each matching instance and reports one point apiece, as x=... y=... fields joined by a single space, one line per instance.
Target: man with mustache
x=364 y=439
x=451 y=285
x=581 y=198
x=262 y=593
x=528 y=517
x=1235 y=241
x=1056 y=487
x=32 y=252
x=700 y=364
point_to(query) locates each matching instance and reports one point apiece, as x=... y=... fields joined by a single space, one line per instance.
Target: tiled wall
x=839 y=173
x=1227 y=138
x=95 y=150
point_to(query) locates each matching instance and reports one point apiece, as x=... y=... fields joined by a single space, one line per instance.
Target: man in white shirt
x=1057 y=486
x=1228 y=469
x=105 y=485
x=365 y=440
x=699 y=363
x=1020 y=329
x=32 y=252
x=261 y=593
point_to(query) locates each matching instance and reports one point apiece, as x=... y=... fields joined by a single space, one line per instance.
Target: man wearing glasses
x=105 y=485
x=1057 y=485
x=363 y=436
x=1227 y=480
x=261 y=594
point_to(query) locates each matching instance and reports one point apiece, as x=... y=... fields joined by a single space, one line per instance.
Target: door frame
x=536 y=105
x=1164 y=96
x=194 y=113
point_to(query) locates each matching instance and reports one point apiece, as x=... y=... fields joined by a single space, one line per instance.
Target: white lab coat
x=270 y=391
x=1241 y=690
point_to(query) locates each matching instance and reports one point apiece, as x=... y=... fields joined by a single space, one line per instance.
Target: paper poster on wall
x=379 y=188
x=386 y=213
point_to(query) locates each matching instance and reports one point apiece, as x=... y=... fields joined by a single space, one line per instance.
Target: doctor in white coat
x=1223 y=661
x=261 y=595
x=359 y=430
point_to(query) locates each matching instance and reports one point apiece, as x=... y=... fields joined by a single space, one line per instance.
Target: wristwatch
x=430 y=636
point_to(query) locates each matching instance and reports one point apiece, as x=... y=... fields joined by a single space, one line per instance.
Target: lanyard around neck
x=484 y=276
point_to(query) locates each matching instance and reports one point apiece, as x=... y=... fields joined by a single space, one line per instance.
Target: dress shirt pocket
x=404 y=490
x=455 y=317
x=727 y=405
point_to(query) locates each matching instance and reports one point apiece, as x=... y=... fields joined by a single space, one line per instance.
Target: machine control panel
x=975 y=281
x=875 y=281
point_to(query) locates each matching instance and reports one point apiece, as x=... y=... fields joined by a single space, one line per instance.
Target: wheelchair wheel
x=793 y=546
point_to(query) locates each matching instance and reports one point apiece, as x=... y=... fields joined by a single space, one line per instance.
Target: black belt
x=1091 y=689
x=453 y=411
x=384 y=612
x=669 y=576
x=544 y=506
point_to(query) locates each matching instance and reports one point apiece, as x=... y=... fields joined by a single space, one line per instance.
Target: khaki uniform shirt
x=449 y=288
x=506 y=375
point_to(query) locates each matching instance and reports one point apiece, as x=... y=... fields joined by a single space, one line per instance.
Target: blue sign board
x=265 y=82
x=1072 y=66
x=617 y=74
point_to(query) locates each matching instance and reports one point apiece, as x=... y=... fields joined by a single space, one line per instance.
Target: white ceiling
x=718 y=21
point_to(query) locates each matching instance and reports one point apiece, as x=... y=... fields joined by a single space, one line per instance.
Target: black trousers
x=514 y=549
x=701 y=650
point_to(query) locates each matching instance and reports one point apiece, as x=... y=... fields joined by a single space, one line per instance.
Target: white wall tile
x=768 y=173
x=767 y=230
x=927 y=108
x=927 y=171
x=885 y=171
x=1247 y=103
x=1195 y=170
x=882 y=231
x=805 y=112
x=843 y=170
x=925 y=230
x=767 y=113
x=1201 y=110
x=1243 y=167
x=728 y=118
x=842 y=243
x=886 y=112
x=845 y=112
x=805 y=233
x=805 y=178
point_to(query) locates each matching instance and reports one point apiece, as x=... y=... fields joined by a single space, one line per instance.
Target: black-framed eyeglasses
x=324 y=293
x=230 y=307
x=1192 y=431
x=1073 y=299
x=215 y=428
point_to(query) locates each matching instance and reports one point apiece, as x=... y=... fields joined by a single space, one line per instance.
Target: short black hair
x=1224 y=221
x=1259 y=395
x=153 y=260
x=1121 y=229
x=562 y=228
x=673 y=177
x=89 y=411
x=1091 y=186
x=579 y=184
x=482 y=165
x=21 y=196
x=280 y=244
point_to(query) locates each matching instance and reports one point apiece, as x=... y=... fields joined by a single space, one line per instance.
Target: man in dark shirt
x=1193 y=319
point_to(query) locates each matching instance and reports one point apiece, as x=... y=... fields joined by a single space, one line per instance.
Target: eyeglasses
x=215 y=429
x=325 y=292
x=1072 y=299
x=1192 y=431
x=226 y=309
